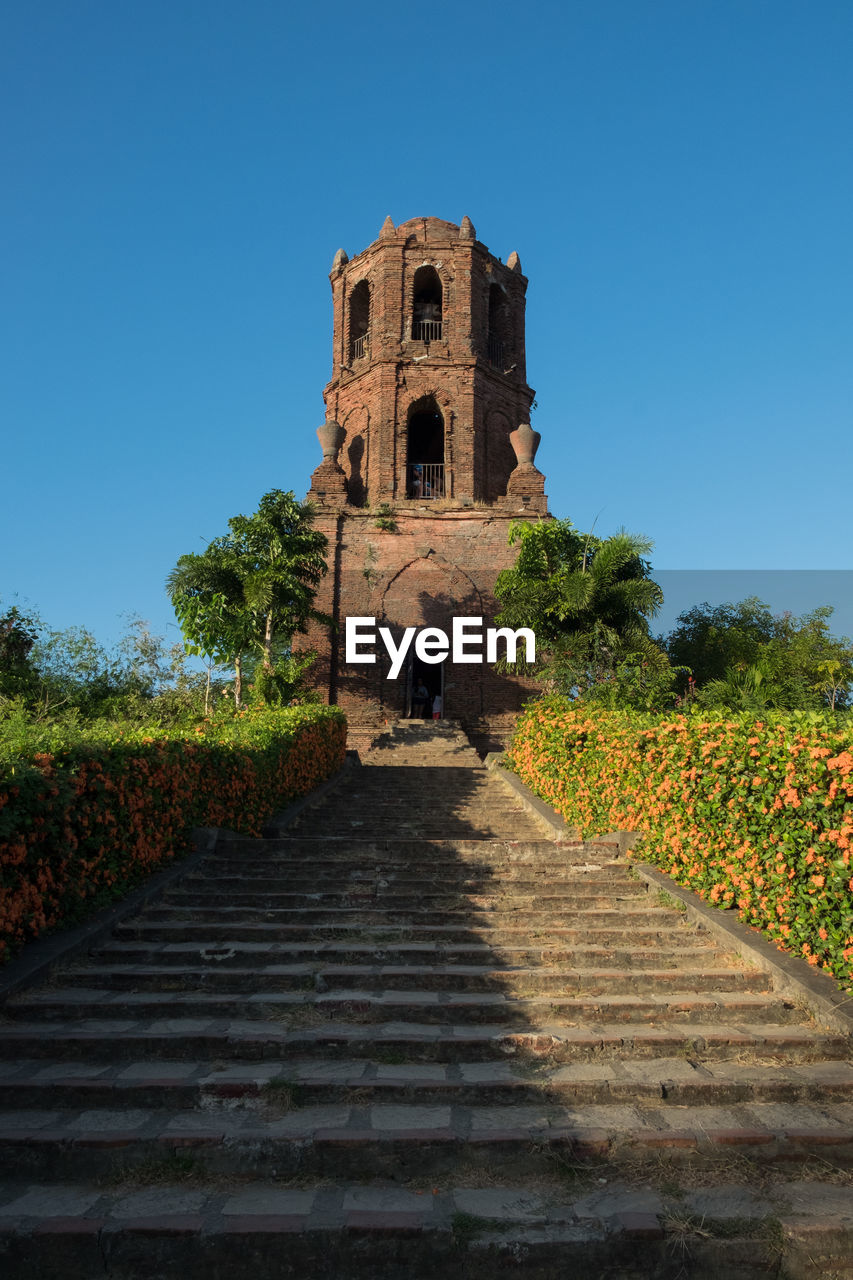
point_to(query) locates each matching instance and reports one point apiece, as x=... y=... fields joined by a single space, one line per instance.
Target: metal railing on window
x=426 y=330
x=426 y=480
x=359 y=347
x=496 y=353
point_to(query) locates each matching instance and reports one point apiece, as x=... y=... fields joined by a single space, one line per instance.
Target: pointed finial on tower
x=388 y=229
x=514 y=262
x=340 y=260
x=466 y=229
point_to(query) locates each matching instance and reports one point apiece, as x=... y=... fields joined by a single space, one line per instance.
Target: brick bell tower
x=427 y=458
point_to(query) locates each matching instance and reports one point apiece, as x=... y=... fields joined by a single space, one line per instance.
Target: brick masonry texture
x=464 y=365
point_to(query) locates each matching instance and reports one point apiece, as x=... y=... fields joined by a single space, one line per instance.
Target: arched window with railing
x=359 y=320
x=427 y=306
x=425 y=477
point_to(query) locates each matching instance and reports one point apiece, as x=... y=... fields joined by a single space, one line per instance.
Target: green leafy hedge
x=80 y=824
x=755 y=815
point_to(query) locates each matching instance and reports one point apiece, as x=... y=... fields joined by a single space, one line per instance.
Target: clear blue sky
x=178 y=175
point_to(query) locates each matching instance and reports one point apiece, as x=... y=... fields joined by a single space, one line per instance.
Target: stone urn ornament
x=525 y=442
x=331 y=436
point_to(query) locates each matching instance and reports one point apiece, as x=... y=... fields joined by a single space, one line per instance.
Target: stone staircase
x=408 y=1034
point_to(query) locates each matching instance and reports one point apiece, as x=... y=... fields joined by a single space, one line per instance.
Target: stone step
x=419 y=830
x=264 y=1139
x=167 y=925
x=338 y=879
x=166 y=956
x=406 y=893
x=320 y=868
x=164 y=1084
x=391 y=979
x=398 y=815
x=585 y=877
x=477 y=924
x=644 y=993
x=415 y=851
x=570 y=902
x=308 y=1032
x=192 y=1230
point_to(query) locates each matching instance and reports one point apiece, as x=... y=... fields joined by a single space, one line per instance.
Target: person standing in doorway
x=420 y=702
x=436 y=707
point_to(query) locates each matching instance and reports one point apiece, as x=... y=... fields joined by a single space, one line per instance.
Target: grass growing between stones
x=282 y=1092
x=672 y=904
x=685 y=1231
x=158 y=1171
x=389 y=1057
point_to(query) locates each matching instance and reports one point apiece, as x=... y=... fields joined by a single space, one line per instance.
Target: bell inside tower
x=425 y=450
x=426 y=310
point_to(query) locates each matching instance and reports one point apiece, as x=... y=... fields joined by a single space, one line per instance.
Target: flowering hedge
x=79 y=826
x=750 y=814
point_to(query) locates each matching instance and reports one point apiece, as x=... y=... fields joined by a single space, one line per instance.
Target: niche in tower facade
x=425 y=450
x=359 y=320
x=500 y=327
x=427 y=306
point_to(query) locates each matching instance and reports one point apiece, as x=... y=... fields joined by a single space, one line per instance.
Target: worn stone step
x=467 y=820
x=308 y=1032
x=164 y=1084
x=583 y=898
x=323 y=850
x=278 y=892
x=166 y=956
x=340 y=1140
x=640 y=994
x=388 y=977
x=630 y=914
x=167 y=925
x=331 y=856
x=421 y=829
x=401 y=880
x=377 y=800
x=487 y=825
x=385 y=866
x=413 y=848
x=192 y=1230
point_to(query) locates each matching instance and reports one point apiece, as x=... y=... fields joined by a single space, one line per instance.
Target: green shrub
x=754 y=814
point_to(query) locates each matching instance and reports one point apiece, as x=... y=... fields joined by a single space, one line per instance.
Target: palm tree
x=588 y=600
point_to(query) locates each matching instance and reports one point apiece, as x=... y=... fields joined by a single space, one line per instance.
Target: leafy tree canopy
x=744 y=656
x=45 y=673
x=253 y=589
x=18 y=634
x=588 y=600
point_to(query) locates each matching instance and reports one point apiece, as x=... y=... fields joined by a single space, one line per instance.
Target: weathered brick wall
x=434 y=568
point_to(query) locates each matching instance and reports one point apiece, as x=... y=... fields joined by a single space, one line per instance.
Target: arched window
x=426 y=310
x=500 y=330
x=359 y=320
x=425 y=450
